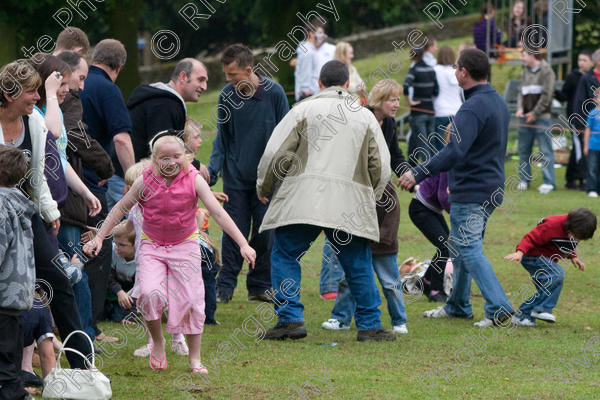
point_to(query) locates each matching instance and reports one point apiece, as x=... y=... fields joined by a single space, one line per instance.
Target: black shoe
x=375 y=334
x=31 y=380
x=260 y=297
x=571 y=185
x=224 y=297
x=439 y=297
x=285 y=330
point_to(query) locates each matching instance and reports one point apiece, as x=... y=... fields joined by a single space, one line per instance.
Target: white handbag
x=79 y=384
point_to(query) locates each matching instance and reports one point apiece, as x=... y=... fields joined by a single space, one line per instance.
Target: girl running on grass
x=168 y=254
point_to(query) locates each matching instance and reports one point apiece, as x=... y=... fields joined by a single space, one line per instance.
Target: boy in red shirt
x=553 y=238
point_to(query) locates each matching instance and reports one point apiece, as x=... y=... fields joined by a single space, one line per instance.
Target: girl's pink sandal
x=162 y=362
x=199 y=369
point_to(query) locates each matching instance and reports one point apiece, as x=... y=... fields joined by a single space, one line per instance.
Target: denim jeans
x=292 y=242
x=114 y=192
x=69 y=240
x=386 y=268
x=209 y=277
x=422 y=125
x=526 y=137
x=467 y=228
x=548 y=278
x=593 y=169
x=331 y=270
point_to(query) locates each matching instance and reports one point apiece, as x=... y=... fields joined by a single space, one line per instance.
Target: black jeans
x=62 y=303
x=247 y=212
x=209 y=276
x=11 y=356
x=433 y=226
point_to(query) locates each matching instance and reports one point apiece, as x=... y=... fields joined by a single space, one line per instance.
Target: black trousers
x=433 y=226
x=576 y=171
x=11 y=356
x=62 y=304
x=247 y=212
x=98 y=268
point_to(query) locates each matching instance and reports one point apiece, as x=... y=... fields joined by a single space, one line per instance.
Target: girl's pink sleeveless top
x=169 y=211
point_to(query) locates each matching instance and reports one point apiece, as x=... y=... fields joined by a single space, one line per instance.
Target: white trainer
x=334 y=325
x=593 y=194
x=436 y=313
x=180 y=348
x=400 y=329
x=484 y=323
x=544 y=316
x=522 y=322
x=545 y=188
x=143 y=351
x=522 y=185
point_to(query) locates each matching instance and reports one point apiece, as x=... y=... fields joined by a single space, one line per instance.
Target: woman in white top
x=450 y=97
x=345 y=53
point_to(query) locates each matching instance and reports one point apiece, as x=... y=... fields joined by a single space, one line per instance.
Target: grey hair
x=110 y=52
x=186 y=65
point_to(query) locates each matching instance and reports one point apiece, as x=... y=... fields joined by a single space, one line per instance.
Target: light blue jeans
x=114 y=192
x=331 y=270
x=548 y=278
x=468 y=221
x=386 y=268
x=527 y=135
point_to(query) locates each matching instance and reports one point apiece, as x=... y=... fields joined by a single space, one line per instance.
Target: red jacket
x=549 y=239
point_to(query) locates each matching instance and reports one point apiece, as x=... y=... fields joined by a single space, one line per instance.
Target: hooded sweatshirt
x=17 y=268
x=154 y=108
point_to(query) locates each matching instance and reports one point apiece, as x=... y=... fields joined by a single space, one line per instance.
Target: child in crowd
x=591 y=148
x=122 y=274
x=17 y=270
x=210 y=266
x=168 y=193
x=554 y=237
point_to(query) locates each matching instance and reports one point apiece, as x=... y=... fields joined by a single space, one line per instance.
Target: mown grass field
x=526 y=363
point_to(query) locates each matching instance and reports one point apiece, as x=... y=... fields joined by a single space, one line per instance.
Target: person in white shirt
x=450 y=97
x=430 y=49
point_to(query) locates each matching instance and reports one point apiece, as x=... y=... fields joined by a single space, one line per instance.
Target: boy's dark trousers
x=247 y=212
x=209 y=275
x=11 y=356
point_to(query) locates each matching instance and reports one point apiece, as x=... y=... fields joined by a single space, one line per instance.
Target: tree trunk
x=8 y=43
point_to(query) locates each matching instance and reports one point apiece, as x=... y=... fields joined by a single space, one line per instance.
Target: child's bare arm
x=517 y=256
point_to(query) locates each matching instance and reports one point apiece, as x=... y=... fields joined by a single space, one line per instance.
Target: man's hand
x=125 y=300
x=519 y=113
x=517 y=256
x=530 y=117
x=578 y=264
x=407 y=180
x=263 y=200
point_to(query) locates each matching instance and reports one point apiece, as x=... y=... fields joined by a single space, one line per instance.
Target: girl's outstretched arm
x=92 y=248
x=223 y=219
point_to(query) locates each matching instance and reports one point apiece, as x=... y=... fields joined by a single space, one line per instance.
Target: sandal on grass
x=199 y=369
x=162 y=362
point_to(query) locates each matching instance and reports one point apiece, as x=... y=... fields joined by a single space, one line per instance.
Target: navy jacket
x=244 y=128
x=477 y=149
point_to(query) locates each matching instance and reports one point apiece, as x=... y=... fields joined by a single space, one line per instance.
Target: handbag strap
x=63 y=348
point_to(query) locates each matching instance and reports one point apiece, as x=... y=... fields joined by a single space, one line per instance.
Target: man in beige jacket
x=322 y=170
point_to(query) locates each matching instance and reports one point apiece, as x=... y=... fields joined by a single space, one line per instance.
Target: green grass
x=512 y=366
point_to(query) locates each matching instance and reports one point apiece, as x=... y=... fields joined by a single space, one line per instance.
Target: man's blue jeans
x=331 y=270
x=386 y=268
x=593 y=170
x=69 y=240
x=527 y=135
x=548 y=278
x=114 y=192
x=468 y=221
x=291 y=244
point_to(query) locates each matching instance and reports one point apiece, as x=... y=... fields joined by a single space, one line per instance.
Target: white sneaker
x=143 y=351
x=522 y=322
x=436 y=313
x=544 y=316
x=179 y=348
x=592 y=194
x=545 y=188
x=334 y=325
x=484 y=323
x=522 y=185
x=400 y=329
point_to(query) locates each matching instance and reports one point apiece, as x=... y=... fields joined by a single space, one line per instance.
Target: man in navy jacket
x=474 y=158
x=250 y=106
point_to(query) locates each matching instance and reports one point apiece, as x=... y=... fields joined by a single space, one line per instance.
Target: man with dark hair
x=160 y=106
x=250 y=106
x=475 y=158
x=534 y=104
x=74 y=39
x=321 y=185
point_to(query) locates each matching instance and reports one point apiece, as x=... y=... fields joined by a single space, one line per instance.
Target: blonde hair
x=191 y=128
x=136 y=170
x=123 y=230
x=16 y=77
x=382 y=91
x=341 y=50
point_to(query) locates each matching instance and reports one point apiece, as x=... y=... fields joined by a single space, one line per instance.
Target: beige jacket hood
x=328 y=162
